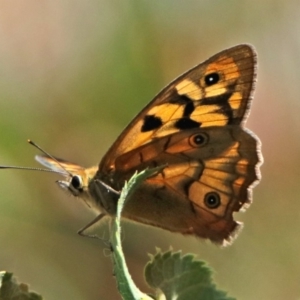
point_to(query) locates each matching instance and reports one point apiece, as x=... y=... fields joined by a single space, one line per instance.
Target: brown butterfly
x=194 y=128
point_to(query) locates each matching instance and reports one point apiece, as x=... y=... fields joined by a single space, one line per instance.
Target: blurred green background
x=74 y=73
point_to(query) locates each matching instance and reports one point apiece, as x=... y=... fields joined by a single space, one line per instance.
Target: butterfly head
x=76 y=179
x=74 y=184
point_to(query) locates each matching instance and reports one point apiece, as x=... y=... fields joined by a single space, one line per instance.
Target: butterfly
x=194 y=129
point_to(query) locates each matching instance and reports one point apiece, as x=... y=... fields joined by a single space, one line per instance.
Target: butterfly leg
x=108 y=187
x=94 y=221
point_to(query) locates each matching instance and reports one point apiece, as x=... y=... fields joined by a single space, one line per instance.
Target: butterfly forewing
x=217 y=92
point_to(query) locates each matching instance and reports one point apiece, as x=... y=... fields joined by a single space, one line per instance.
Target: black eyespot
x=211 y=79
x=76 y=182
x=212 y=200
x=198 y=139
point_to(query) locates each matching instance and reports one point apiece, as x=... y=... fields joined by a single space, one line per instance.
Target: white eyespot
x=198 y=140
x=212 y=200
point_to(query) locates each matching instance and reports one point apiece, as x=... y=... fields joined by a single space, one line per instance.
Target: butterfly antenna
x=31 y=169
x=49 y=155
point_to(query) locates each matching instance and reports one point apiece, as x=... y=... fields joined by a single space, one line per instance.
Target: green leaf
x=126 y=286
x=10 y=289
x=172 y=275
x=182 y=277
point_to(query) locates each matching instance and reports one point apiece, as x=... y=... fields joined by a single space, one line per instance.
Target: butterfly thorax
x=104 y=192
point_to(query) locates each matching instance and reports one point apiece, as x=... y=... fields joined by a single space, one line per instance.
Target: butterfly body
x=194 y=130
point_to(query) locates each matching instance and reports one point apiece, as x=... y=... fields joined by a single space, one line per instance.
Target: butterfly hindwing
x=211 y=169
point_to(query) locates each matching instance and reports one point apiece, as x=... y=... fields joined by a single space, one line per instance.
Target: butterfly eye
x=212 y=200
x=211 y=79
x=198 y=139
x=76 y=182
